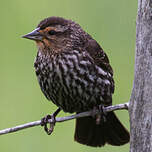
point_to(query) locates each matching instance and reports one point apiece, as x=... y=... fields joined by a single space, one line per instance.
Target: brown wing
x=100 y=59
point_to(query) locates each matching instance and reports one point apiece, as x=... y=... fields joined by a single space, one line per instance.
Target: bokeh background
x=111 y=23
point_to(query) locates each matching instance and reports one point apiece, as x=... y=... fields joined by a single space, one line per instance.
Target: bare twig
x=61 y=119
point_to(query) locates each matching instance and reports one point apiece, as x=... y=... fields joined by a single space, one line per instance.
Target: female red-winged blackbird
x=74 y=73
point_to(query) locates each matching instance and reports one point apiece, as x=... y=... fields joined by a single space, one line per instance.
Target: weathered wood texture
x=140 y=108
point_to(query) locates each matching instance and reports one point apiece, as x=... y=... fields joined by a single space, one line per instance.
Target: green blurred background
x=111 y=23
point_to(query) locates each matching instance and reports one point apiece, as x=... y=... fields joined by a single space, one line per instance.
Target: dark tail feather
x=111 y=131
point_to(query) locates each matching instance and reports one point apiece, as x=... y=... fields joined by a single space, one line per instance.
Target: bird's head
x=56 y=34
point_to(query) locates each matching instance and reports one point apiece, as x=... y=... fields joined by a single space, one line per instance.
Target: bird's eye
x=52 y=32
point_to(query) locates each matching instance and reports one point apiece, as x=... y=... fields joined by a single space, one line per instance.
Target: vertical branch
x=140 y=108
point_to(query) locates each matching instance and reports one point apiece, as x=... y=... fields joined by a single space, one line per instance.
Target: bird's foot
x=51 y=120
x=100 y=116
x=45 y=121
x=93 y=114
x=103 y=112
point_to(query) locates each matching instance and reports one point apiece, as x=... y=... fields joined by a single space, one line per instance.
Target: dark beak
x=34 y=35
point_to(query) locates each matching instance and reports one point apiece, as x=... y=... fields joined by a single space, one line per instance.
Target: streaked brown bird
x=75 y=74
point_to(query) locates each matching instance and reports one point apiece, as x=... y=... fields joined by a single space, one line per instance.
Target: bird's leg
x=100 y=116
x=103 y=112
x=44 y=121
x=93 y=112
x=97 y=117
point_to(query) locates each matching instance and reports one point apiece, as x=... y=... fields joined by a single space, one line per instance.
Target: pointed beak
x=34 y=35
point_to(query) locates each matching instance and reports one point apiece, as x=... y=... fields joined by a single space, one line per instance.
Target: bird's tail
x=110 y=131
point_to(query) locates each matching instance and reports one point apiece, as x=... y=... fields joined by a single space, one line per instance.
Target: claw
x=45 y=121
x=103 y=112
x=94 y=111
x=100 y=116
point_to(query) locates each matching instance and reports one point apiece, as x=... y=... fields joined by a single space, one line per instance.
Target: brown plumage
x=75 y=74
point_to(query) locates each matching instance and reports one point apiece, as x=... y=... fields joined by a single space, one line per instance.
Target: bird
x=75 y=74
